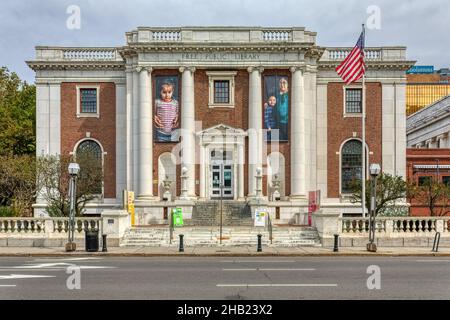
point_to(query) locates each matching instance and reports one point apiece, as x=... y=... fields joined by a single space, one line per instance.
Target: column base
x=147 y=198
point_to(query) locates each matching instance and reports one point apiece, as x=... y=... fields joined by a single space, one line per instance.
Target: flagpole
x=363 y=134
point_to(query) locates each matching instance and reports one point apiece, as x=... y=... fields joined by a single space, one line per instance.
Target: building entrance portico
x=222 y=162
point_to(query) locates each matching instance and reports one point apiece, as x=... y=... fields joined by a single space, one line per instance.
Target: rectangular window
x=424 y=180
x=88 y=100
x=446 y=180
x=221 y=91
x=353 y=101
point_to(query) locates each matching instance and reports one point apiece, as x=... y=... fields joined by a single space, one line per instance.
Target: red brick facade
x=341 y=128
x=102 y=129
x=425 y=157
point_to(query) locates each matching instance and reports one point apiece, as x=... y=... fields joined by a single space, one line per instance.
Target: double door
x=221 y=181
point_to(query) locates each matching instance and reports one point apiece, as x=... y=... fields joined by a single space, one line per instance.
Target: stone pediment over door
x=221 y=133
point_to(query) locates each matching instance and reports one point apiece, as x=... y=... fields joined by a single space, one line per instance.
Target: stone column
x=134 y=130
x=129 y=127
x=145 y=135
x=188 y=127
x=255 y=138
x=241 y=157
x=298 y=135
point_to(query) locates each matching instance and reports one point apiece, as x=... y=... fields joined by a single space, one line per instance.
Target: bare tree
x=53 y=182
x=389 y=189
x=431 y=193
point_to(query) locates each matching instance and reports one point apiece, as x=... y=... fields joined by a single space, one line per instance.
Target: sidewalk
x=223 y=251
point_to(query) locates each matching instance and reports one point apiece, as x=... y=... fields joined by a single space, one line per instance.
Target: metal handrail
x=171 y=226
x=269 y=226
x=437 y=239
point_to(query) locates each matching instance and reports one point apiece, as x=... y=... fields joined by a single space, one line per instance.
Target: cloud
x=420 y=25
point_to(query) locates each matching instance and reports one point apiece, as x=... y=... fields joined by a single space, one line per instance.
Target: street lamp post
x=375 y=170
x=74 y=170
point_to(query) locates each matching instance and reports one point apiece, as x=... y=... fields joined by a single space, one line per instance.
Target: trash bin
x=91 y=240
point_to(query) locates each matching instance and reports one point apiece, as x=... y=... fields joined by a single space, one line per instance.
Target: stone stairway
x=207 y=213
x=231 y=236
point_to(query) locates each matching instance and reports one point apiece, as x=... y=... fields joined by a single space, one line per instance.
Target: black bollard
x=181 y=243
x=104 y=249
x=259 y=249
x=336 y=239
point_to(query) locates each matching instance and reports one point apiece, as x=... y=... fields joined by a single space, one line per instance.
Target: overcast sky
x=422 y=26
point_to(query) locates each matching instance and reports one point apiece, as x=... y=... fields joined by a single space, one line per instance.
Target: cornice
x=371 y=65
x=76 y=65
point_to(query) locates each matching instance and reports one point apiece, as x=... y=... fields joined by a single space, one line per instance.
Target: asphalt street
x=224 y=278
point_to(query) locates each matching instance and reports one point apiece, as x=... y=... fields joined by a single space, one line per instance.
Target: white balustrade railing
x=341 y=54
x=360 y=225
x=47 y=225
x=89 y=54
x=22 y=225
x=396 y=225
x=166 y=36
x=276 y=35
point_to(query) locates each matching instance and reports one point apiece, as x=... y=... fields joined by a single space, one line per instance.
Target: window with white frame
x=88 y=101
x=353 y=101
x=351 y=165
x=90 y=157
x=221 y=88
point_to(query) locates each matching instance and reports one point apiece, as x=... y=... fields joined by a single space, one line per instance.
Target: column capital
x=144 y=68
x=294 y=69
x=187 y=68
x=251 y=69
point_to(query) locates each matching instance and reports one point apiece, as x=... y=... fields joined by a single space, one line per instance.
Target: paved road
x=225 y=278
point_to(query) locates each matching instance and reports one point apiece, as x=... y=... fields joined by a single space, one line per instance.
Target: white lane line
x=7 y=285
x=278 y=285
x=23 y=276
x=257 y=261
x=30 y=270
x=67 y=259
x=435 y=260
x=270 y=269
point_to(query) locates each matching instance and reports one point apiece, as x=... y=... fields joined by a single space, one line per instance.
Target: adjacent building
x=183 y=116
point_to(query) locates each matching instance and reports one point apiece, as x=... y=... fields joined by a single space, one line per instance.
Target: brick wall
x=341 y=129
x=103 y=129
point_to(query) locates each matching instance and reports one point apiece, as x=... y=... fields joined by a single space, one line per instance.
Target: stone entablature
x=428 y=125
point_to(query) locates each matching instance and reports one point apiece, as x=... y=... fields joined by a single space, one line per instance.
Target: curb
x=136 y=254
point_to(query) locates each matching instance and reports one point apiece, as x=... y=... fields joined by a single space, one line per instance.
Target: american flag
x=353 y=67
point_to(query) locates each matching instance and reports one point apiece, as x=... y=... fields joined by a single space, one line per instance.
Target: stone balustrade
x=94 y=54
x=396 y=226
x=371 y=54
x=22 y=226
x=276 y=35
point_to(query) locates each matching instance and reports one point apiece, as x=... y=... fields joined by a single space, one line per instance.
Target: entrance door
x=221 y=178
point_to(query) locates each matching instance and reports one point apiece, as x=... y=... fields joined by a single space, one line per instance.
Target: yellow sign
x=130 y=206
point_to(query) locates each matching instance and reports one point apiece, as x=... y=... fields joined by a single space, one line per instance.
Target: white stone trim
x=346 y=114
x=87 y=114
x=221 y=76
x=344 y=195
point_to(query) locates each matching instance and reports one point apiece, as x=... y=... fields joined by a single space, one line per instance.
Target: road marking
x=28 y=269
x=270 y=269
x=23 y=276
x=66 y=259
x=60 y=265
x=7 y=285
x=435 y=260
x=257 y=261
x=279 y=285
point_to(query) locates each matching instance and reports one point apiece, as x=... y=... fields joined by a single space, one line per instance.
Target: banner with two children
x=276 y=107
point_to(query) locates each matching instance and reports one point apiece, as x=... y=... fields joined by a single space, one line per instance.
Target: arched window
x=89 y=155
x=351 y=164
